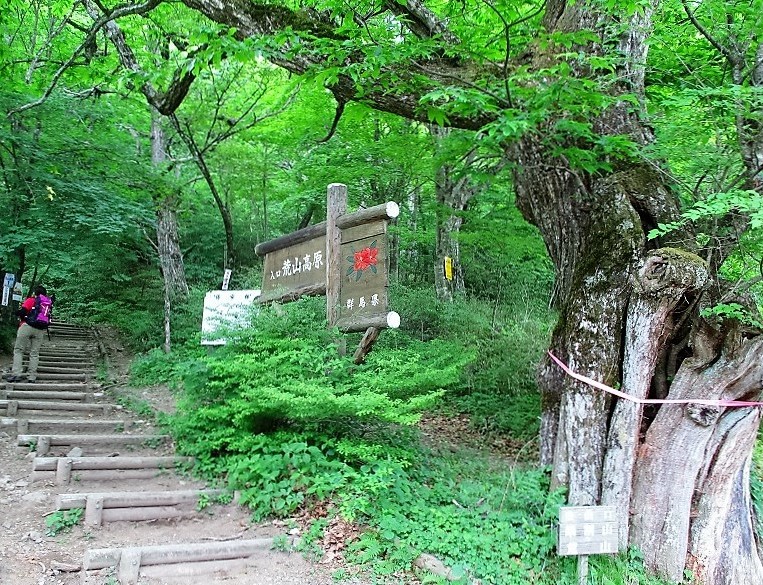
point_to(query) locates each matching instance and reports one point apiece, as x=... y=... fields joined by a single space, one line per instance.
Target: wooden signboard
x=225 y=309
x=302 y=263
x=587 y=530
x=295 y=270
x=363 y=289
x=344 y=258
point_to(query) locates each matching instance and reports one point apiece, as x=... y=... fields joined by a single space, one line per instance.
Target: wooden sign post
x=587 y=530
x=344 y=258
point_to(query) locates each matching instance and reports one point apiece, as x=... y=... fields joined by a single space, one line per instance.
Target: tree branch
x=98 y=25
x=337 y=116
x=165 y=103
x=251 y=19
x=421 y=21
x=710 y=38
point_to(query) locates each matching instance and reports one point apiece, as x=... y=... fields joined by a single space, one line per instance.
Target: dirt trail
x=30 y=555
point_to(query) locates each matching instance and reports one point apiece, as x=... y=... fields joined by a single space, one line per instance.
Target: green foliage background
x=278 y=414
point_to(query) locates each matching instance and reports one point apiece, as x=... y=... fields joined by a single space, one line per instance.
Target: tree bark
x=452 y=194
x=722 y=538
x=703 y=454
x=167 y=236
x=170 y=254
x=409 y=255
x=667 y=279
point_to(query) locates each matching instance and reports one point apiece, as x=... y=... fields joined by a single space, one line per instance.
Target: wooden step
x=62 y=363
x=45 y=395
x=109 y=463
x=134 y=506
x=23 y=426
x=103 y=468
x=171 y=554
x=79 y=440
x=12 y=407
x=135 y=499
x=63 y=370
x=48 y=386
x=71 y=377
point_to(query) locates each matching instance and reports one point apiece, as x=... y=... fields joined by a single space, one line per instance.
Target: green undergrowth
x=63 y=521
x=281 y=417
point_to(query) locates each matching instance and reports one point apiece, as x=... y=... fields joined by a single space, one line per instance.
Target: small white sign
x=226 y=278
x=18 y=291
x=225 y=309
x=8 y=281
x=587 y=530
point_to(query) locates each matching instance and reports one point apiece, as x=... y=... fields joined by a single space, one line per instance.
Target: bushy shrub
x=497 y=388
x=284 y=374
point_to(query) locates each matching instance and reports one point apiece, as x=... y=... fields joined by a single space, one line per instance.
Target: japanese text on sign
x=224 y=311
x=362 y=302
x=291 y=268
x=587 y=530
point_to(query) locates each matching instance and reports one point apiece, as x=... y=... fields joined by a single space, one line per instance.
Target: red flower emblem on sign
x=365 y=259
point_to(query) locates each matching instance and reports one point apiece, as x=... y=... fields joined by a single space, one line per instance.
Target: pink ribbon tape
x=600 y=386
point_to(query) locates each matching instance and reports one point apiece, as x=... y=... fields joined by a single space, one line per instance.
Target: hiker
x=35 y=318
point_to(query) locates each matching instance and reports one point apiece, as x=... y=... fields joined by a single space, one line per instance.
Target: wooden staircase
x=83 y=440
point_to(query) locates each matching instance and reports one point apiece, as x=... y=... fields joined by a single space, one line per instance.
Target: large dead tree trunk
x=703 y=454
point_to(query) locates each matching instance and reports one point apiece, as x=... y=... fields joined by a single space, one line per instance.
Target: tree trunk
x=448 y=274
x=170 y=255
x=186 y=136
x=690 y=476
x=161 y=105
x=595 y=243
x=410 y=253
x=167 y=238
x=668 y=279
x=702 y=453
x=452 y=193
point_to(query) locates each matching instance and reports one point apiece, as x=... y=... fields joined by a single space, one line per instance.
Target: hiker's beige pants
x=28 y=339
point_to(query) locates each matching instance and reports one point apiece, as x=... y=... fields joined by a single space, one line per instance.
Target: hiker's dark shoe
x=10 y=377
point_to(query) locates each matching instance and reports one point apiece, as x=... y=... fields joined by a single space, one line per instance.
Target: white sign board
x=587 y=530
x=226 y=278
x=18 y=290
x=225 y=309
x=8 y=281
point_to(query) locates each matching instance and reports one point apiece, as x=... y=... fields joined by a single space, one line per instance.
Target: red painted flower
x=365 y=259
